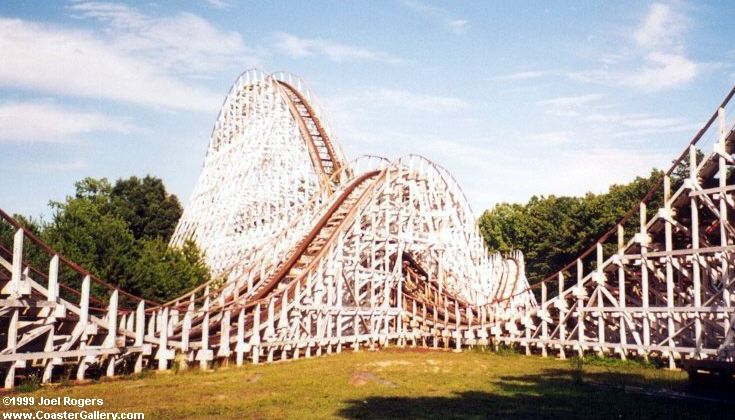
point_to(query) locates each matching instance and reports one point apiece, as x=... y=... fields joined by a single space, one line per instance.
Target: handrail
x=79 y=269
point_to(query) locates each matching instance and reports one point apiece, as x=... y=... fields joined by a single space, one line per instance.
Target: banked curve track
x=310 y=254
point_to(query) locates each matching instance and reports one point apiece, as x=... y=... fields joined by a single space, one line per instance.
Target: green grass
x=402 y=383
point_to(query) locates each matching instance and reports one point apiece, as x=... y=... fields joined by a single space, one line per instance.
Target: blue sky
x=514 y=98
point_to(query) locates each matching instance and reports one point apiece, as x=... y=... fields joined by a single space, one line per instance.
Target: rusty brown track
x=291 y=93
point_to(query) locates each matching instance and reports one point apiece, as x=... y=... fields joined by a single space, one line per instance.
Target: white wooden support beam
x=240 y=348
x=399 y=319
x=129 y=322
x=340 y=286
x=457 y=324
x=562 y=317
x=435 y=339
x=205 y=354
x=696 y=274
x=57 y=311
x=621 y=292
x=186 y=328
x=164 y=354
x=601 y=280
x=255 y=336
x=671 y=331
x=111 y=339
x=12 y=341
x=645 y=295
x=152 y=323
x=580 y=308
x=724 y=221
x=139 y=334
x=224 y=336
x=17 y=286
x=544 y=321
x=173 y=319
x=83 y=324
x=270 y=329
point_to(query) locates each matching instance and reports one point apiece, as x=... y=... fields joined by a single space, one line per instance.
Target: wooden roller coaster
x=311 y=254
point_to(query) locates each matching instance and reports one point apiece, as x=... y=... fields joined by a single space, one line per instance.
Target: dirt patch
x=253 y=378
x=361 y=378
x=390 y=363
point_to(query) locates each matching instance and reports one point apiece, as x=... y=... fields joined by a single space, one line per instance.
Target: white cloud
x=296 y=47
x=665 y=65
x=385 y=99
x=418 y=102
x=219 y=4
x=79 y=63
x=184 y=43
x=459 y=25
x=660 y=27
x=521 y=75
x=569 y=101
x=443 y=16
x=606 y=123
x=48 y=122
x=659 y=71
x=663 y=71
x=655 y=61
x=553 y=138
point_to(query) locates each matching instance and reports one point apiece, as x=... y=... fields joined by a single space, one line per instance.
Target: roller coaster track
x=311 y=254
x=660 y=282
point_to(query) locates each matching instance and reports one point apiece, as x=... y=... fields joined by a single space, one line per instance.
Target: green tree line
x=120 y=233
x=553 y=230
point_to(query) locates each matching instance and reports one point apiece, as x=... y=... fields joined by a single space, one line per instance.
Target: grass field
x=403 y=383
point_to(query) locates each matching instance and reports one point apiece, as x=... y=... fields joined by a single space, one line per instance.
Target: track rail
x=322 y=152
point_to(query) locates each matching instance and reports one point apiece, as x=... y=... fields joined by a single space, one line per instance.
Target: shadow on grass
x=549 y=394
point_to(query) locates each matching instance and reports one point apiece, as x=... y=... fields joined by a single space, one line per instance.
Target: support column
x=601 y=283
x=671 y=330
x=139 y=335
x=621 y=293
x=224 y=336
x=255 y=337
x=56 y=311
x=562 y=318
x=240 y=347
x=643 y=239
x=205 y=354
x=83 y=321
x=696 y=274
x=12 y=342
x=544 y=320
x=580 y=309
x=111 y=339
x=18 y=285
x=725 y=267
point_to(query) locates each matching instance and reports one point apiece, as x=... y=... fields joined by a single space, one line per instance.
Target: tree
x=97 y=226
x=33 y=255
x=147 y=208
x=552 y=231
x=85 y=230
x=162 y=273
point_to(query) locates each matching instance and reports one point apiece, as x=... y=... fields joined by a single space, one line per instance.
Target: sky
x=515 y=99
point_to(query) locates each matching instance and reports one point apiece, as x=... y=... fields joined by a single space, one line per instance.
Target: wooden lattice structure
x=311 y=254
x=658 y=283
